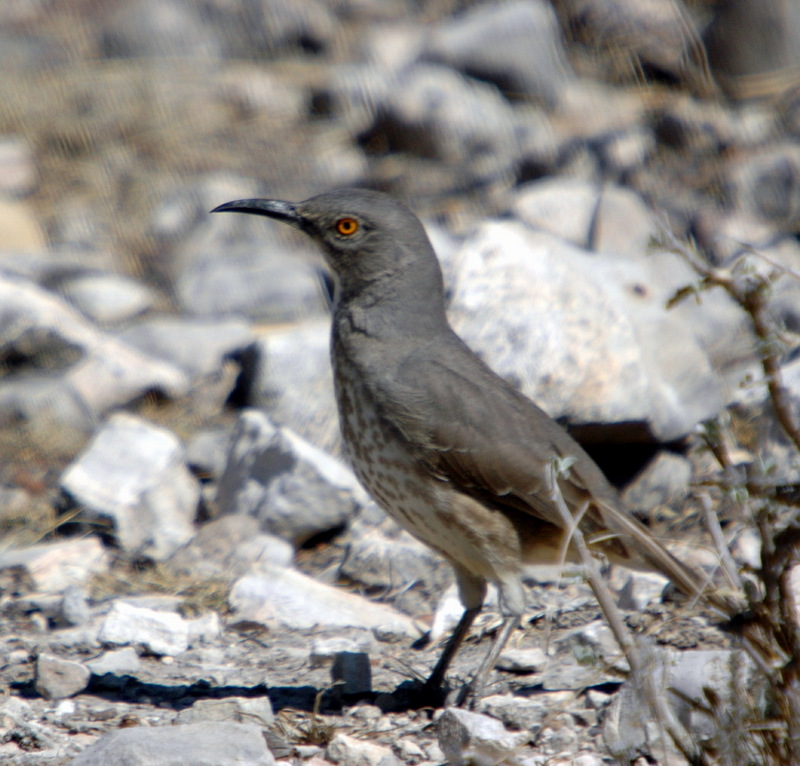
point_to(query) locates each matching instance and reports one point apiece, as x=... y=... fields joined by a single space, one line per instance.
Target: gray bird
x=445 y=446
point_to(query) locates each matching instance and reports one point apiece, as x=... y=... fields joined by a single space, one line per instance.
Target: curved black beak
x=271 y=208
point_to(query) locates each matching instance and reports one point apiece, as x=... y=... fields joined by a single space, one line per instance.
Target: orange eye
x=347 y=226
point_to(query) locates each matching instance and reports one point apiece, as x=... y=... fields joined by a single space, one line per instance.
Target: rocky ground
x=188 y=572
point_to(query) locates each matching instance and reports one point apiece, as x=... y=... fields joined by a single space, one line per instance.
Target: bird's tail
x=640 y=543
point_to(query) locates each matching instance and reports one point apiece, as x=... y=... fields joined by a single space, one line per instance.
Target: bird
x=448 y=448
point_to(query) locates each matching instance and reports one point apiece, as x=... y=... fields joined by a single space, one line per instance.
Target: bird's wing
x=474 y=430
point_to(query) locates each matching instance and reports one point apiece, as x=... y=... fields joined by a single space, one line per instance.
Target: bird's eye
x=347 y=226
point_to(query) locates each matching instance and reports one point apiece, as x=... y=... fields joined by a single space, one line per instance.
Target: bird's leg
x=434 y=682
x=471 y=691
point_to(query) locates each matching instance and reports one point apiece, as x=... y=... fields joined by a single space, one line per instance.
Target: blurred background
x=123 y=123
x=581 y=166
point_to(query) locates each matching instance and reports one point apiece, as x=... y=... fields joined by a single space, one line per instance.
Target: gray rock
x=565 y=207
x=519 y=660
x=250 y=89
x=226 y=269
x=293 y=381
x=765 y=183
x=200 y=744
x=108 y=298
x=293 y=488
x=752 y=46
x=467 y=737
x=278 y=597
x=689 y=679
x=558 y=736
x=74 y=606
x=351 y=673
x=118 y=662
x=162 y=633
x=173 y=28
x=430 y=111
x=230 y=546
x=649 y=36
x=54 y=567
x=525 y=713
x=605 y=219
x=587 y=338
x=664 y=480
x=641 y=589
x=349 y=751
x=75 y=372
x=324 y=651
x=516 y=45
x=269 y=29
x=57 y=678
x=133 y=475
x=586 y=656
x=381 y=554
x=257 y=710
x=207 y=451
x=197 y=346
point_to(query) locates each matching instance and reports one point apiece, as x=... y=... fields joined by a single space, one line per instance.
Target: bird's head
x=366 y=236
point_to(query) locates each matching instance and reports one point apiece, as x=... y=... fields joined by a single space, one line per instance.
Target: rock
x=351 y=673
x=663 y=481
x=689 y=679
x=108 y=298
x=282 y=597
x=429 y=111
x=293 y=488
x=558 y=736
x=292 y=380
x=586 y=656
x=516 y=45
x=467 y=737
x=53 y=567
x=18 y=172
x=601 y=218
x=144 y=29
x=74 y=606
x=67 y=372
x=765 y=184
x=752 y=47
x=277 y=28
x=641 y=589
x=195 y=345
x=201 y=744
x=257 y=710
x=600 y=345
x=207 y=451
x=133 y=476
x=530 y=660
x=380 y=554
x=228 y=268
x=640 y=38
x=19 y=724
x=565 y=207
x=250 y=89
x=525 y=713
x=204 y=629
x=164 y=633
x=57 y=678
x=349 y=751
x=324 y=651
x=230 y=546
x=118 y=662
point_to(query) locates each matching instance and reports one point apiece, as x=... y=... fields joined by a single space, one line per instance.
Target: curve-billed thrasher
x=447 y=447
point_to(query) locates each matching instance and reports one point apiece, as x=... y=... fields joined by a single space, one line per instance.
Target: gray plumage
x=443 y=444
